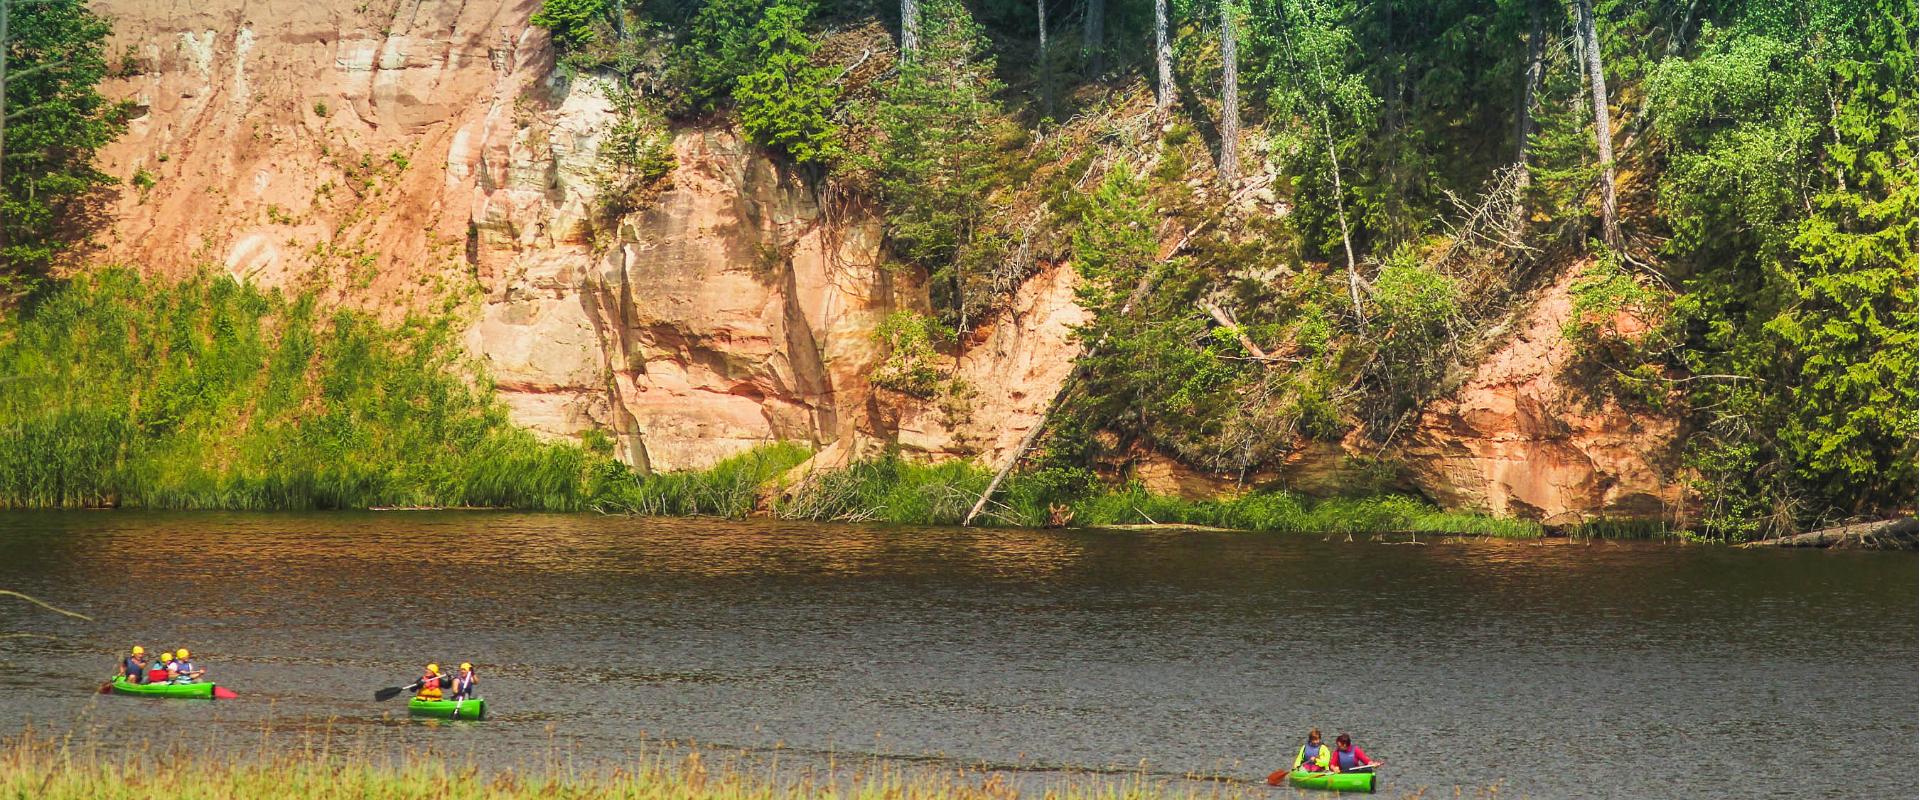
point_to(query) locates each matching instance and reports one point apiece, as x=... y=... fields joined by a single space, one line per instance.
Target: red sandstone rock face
x=452 y=170
x=1517 y=440
x=424 y=156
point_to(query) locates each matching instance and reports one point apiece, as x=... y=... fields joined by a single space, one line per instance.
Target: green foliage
x=636 y=153
x=786 y=103
x=937 y=159
x=214 y=394
x=731 y=488
x=1788 y=146
x=893 y=490
x=571 y=21
x=57 y=121
x=909 y=340
x=719 y=49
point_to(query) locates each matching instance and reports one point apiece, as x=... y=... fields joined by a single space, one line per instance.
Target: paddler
x=429 y=684
x=464 y=682
x=134 y=666
x=1347 y=758
x=1313 y=756
x=183 y=669
x=162 y=670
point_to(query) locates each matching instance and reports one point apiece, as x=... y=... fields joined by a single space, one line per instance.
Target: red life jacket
x=429 y=682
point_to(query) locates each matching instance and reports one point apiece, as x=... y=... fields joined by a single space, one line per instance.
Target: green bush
x=909 y=340
x=214 y=394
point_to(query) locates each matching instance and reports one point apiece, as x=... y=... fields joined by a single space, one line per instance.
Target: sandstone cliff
x=419 y=155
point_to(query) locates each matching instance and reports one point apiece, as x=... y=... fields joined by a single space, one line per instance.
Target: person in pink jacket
x=1347 y=758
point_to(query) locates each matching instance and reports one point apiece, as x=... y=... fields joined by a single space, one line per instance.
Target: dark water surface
x=1551 y=669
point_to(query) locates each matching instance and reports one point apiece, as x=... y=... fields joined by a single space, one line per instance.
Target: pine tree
x=786 y=103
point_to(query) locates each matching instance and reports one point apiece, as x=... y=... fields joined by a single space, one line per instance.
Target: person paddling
x=183 y=669
x=1313 y=756
x=1347 y=758
x=134 y=666
x=464 y=682
x=428 y=687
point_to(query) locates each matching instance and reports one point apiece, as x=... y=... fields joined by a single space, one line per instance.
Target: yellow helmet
x=465 y=665
x=433 y=669
x=167 y=656
x=139 y=651
x=182 y=652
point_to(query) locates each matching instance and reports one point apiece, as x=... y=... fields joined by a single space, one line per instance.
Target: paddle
x=394 y=691
x=223 y=693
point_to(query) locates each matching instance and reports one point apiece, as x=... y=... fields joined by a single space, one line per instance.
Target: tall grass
x=892 y=489
x=213 y=394
x=731 y=488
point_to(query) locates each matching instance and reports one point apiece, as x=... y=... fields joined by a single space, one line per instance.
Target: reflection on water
x=1555 y=669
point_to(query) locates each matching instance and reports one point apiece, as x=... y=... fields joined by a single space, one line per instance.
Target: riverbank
x=52 y=771
x=209 y=394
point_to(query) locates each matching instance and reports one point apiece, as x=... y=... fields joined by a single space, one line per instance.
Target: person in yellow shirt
x=1313 y=756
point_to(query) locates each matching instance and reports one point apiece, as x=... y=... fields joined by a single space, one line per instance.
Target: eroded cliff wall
x=426 y=156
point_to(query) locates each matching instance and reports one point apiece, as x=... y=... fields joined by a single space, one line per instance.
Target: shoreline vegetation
x=58 y=769
x=211 y=394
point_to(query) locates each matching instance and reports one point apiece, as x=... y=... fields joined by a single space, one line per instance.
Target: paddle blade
x=388 y=693
x=224 y=693
x=106 y=688
x=1278 y=777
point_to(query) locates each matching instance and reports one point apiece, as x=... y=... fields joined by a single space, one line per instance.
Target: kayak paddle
x=224 y=693
x=393 y=691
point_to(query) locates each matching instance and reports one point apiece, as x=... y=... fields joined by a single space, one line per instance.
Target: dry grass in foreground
x=32 y=767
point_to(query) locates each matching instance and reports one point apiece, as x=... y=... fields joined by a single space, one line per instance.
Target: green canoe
x=475 y=708
x=1336 y=781
x=204 y=691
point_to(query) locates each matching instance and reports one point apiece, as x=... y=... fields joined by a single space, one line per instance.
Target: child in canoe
x=1347 y=758
x=161 y=671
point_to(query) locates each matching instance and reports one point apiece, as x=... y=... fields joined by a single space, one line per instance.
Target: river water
x=1548 y=669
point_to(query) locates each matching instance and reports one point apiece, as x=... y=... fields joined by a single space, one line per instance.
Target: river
x=1549 y=669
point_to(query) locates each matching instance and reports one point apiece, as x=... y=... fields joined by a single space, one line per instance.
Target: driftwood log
x=1886 y=534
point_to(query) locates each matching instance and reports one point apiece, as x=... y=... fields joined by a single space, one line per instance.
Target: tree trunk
x=1602 y=125
x=1093 y=29
x=1162 y=59
x=1229 y=98
x=1046 y=69
x=909 y=27
x=3 y=126
x=1523 y=117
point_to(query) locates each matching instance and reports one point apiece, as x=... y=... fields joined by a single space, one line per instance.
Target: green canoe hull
x=449 y=709
x=203 y=691
x=1334 y=781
